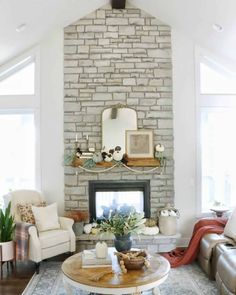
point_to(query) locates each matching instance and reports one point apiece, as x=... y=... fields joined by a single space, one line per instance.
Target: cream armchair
x=45 y=244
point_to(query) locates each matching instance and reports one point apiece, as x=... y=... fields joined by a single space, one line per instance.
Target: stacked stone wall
x=111 y=57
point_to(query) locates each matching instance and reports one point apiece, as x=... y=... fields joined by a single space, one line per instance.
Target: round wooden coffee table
x=114 y=282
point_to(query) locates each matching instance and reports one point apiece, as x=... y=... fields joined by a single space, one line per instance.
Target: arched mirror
x=115 y=121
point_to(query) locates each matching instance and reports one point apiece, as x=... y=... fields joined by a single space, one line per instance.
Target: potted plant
x=79 y=217
x=122 y=225
x=7 y=227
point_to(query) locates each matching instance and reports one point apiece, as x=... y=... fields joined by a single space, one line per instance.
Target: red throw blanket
x=182 y=256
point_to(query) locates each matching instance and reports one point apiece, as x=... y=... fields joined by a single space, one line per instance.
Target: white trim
x=24 y=58
x=198 y=134
x=10 y=70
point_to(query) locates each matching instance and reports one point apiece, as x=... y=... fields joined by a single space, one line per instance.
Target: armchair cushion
x=46 y=218
x=53 y=237
x=230 y=229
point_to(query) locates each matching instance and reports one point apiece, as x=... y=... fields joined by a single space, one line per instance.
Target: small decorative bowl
x=136 y=262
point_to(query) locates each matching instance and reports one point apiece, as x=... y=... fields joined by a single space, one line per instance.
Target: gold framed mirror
x=115 y=121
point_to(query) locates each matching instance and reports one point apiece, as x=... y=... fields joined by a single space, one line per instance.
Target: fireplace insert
x=109 y=197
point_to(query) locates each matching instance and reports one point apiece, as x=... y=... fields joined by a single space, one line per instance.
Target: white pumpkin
x=150 y=231
x=164 y=213
x=117 y=155
x=88 y=228
x=159 y=147
x=172 y=213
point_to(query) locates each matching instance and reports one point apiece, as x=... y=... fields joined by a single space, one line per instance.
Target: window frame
x=206 y=101
x=23 y=104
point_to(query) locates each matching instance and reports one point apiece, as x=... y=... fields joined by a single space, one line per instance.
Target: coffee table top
x=158 y=271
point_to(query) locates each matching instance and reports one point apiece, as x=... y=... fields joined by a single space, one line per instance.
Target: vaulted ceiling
x=194 y=18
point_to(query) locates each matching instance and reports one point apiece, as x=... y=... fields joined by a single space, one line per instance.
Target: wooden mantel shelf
x=137 y=162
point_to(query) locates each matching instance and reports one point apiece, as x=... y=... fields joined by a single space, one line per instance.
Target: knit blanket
x=182 y=256
x=22 y=240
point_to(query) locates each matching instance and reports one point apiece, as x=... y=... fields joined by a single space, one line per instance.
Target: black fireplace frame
x=118 y=185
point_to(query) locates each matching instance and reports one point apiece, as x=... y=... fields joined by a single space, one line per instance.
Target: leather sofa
x=217 y=258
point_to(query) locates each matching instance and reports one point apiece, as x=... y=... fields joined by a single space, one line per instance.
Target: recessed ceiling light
x=218 y=28
x=21 y=28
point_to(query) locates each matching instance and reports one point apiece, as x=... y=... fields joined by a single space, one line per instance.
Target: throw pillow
x=230 y=228
x=26 y=213
x=46 y=218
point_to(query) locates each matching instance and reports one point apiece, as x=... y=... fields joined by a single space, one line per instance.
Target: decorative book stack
x=90 y=260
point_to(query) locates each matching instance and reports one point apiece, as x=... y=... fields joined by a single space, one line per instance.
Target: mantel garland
x=120 y=164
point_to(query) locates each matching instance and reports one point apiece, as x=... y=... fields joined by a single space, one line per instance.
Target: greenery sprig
x=124 y=223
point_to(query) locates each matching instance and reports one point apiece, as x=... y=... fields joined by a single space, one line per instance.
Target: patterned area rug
x=185 y=280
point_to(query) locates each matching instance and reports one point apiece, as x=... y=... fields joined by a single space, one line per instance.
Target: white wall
x=51 y=92
x=184 y=130
x=184 y=124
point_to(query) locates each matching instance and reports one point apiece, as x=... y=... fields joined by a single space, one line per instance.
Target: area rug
x=184 y=280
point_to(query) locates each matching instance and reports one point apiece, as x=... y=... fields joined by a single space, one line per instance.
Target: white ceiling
x=192 y=17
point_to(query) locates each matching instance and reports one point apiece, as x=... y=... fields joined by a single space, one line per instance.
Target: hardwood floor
x=14 y=281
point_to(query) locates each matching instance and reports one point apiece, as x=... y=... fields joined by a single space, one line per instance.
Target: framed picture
x=139 y=143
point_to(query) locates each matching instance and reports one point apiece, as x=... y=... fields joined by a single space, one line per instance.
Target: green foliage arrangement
x=121 y=224
x=7 y=225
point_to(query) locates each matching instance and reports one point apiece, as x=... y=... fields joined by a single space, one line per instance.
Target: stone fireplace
x=117 y=57
x=108 y=197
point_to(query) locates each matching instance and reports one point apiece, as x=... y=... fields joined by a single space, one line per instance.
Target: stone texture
x=110 y=57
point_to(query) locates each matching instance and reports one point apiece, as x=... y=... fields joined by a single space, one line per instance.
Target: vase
x=123 y=243
x=78 y=228
x=101 y=250
x=7 y=251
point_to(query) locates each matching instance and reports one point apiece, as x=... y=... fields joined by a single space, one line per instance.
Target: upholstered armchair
x=47 y=243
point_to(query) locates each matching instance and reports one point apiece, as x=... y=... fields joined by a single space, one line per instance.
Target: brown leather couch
x=217 y=258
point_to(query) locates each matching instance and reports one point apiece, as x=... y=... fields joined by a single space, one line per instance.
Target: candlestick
x=76 y=137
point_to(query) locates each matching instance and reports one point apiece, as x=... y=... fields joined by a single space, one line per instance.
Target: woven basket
x=168 y=225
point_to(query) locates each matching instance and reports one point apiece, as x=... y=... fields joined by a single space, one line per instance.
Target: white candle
x=76 y=138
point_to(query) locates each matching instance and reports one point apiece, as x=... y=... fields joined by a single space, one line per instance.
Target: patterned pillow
x=26 y=212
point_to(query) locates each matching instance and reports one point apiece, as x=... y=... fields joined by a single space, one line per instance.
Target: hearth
x=107 y=197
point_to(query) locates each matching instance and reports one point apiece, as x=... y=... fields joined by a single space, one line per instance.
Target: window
x=217 y=118
x=17 y=157
x=19 y=83
x=214 y=80
x=19 y=128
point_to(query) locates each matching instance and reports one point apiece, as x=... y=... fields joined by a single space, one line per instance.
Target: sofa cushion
x=46 y=218
x=53 y=237
x=230 y=228
x=226 y=272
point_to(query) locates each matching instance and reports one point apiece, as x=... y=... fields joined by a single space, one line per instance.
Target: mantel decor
x=139 y=143
x=107 y=166
x=140 y=149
